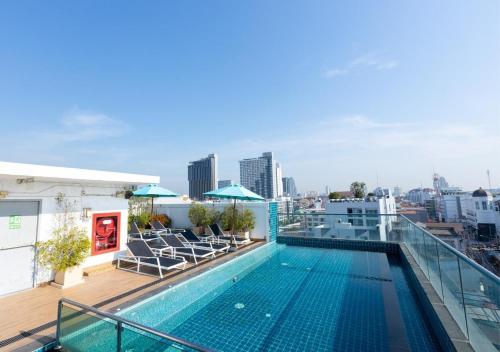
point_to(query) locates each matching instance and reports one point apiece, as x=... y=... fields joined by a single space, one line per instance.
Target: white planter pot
x=71 y=277
x=245 y=234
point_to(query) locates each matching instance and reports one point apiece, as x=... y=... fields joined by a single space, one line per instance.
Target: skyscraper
x=279 y=182
x=202 y=176
x=259 y=175
x=224 y=183
x=289 y=188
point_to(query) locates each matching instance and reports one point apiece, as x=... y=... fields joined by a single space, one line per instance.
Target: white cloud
x=366 y=61
x=81 y=126
x=336 y=72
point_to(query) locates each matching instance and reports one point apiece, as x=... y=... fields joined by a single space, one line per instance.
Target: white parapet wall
x=180 y=219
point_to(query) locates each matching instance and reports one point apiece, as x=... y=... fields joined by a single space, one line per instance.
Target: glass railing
x=83 y=328
x=470 y=292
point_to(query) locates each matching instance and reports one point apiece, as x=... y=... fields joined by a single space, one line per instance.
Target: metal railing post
x=439 y=268
x=119 y=329
x=463 y=298
x=58 y=346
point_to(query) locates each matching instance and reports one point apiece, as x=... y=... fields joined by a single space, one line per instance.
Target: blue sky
x=339 y=90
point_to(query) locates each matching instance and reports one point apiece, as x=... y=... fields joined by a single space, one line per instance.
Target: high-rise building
x=439 y=183
x=259 y=175
x=202 y=176
x=279 y=182
x=289 y=188
x=224 y=183
x=397 y=191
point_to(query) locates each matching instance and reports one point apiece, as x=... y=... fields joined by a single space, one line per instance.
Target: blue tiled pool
x=287 y=298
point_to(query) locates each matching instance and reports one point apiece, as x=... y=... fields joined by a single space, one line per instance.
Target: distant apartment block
x=289 y=188
x=224 y=183
x=260 y=175
x=202 y=176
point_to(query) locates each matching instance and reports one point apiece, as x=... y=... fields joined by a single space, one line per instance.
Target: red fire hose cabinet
x=105 y=233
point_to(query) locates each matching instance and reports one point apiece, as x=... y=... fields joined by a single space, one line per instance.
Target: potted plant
x=246 y=222
x=64 y=254
x=198 y=217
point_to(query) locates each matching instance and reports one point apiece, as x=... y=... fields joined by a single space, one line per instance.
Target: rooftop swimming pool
x=281 y=298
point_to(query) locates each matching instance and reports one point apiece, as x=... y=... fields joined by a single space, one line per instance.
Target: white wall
x=100 y=197
x=180 y=219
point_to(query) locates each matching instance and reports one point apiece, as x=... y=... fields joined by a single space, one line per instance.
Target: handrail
x=457 y=253
x=121 y=320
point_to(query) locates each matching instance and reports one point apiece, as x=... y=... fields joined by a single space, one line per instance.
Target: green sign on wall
x=14 y=222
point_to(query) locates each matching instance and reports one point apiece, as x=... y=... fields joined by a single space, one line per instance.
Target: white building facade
x=370 y=218
x=34 y=199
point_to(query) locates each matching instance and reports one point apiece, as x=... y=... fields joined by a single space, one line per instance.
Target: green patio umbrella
x=235 y=192
x=153 y=191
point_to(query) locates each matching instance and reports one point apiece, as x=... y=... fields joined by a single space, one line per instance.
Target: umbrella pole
x=234 y=219
x=152 y=201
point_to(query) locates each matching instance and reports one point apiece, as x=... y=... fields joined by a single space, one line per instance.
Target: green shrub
x=198 y=214
x=246 y=220
x=68 y=248
x=213 y=216
x=227 y=216
x=142 y=220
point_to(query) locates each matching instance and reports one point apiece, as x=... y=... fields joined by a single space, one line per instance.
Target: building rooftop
x=56 y=173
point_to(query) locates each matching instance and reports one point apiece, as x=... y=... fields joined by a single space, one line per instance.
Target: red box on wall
x=105 y=233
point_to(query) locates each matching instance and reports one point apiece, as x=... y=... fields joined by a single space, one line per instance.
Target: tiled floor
x=308 y=299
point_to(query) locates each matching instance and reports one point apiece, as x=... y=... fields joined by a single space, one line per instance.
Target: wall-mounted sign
x=14 y=222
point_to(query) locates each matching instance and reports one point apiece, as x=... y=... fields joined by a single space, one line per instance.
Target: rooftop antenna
x=489 y=178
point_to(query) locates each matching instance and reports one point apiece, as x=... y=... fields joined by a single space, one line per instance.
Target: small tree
x=358 y=189
x=228 y=216
x=334 y=195
x=246 y=220
x=69 y=245
x=213 y=216
x=198 y=215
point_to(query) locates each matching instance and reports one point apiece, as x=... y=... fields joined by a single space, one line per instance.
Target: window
x=357 y=222
x=485 y=205
x=371 y=222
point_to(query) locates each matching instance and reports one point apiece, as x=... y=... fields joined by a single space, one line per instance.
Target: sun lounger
x=178 y=248
x=158 y=227
x=192 y=240
x=143 y=256
x=227 y=238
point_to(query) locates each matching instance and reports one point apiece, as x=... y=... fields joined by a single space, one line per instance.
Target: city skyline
x=339 y=93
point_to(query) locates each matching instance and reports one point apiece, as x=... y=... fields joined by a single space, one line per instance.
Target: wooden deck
x=28 y=318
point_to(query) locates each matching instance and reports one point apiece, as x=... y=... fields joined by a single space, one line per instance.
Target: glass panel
x=452 y=293
x=433 y=264
x=81 y=331
x=482 y=303
x=137 y=340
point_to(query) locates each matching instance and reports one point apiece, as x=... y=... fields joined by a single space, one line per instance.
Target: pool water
x=296 y=299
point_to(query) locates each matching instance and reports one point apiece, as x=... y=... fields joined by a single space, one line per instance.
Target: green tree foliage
x=244 y=219
x=142 y=219
x=69 y=245
x=228 y=216
x=358 y=189
x=198 y=214
x=213 y=216
x=334 y=195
